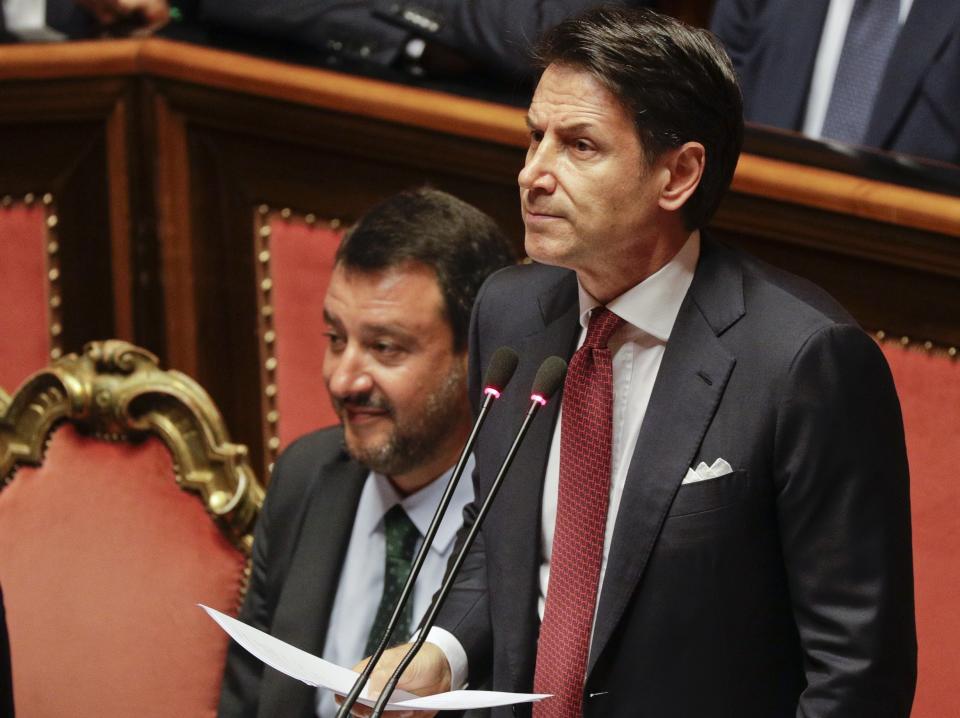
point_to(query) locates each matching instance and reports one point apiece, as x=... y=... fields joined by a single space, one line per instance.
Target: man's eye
x=336 y=341
x=583 y=146
x=536 y=136
x=387 y=349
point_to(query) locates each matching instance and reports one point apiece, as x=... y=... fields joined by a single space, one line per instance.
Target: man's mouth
x=363 y=411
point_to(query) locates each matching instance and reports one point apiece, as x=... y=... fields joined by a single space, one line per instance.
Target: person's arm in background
x=495 y=34
x=332 y=27
x=843 y=507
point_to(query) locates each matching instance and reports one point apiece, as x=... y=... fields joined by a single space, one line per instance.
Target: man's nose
x=348 y=373
x=538 y=171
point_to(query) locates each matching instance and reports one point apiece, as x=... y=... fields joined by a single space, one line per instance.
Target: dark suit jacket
x=773 y=45
x=495 y=33
x=311 y=503
x=786 y=582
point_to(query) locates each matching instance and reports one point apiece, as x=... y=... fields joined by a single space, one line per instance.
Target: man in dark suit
x=324 y=567
x=436 y=37
x=791 y=56
x=718 y=522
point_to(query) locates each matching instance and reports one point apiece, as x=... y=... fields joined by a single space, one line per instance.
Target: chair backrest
x=103 y=554
x=295 y=257
x=928 y=383
x=29 y=327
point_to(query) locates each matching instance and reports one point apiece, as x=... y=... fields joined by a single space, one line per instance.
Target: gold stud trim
x=927 y=346
x=52 y=270
x=266 y=329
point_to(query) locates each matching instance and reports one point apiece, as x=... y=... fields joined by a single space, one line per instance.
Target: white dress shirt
x=650 y=310
x=828 y=60
x=361 y=581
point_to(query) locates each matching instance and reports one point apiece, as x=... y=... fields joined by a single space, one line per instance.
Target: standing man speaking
x=717 y=521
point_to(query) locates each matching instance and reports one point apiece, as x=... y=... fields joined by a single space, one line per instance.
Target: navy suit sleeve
x=342 y=29
x=734 y=22
x=843 y=508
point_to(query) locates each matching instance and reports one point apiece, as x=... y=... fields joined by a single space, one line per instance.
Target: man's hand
x=143 y=16
x=427 y=674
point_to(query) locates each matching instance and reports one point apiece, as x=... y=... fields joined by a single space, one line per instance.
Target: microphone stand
x=537 y=400
x=491 y=394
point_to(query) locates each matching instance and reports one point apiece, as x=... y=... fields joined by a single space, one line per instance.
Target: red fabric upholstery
x=301 y=263
x=24 y=335
x=929 y=389
x=103 y=559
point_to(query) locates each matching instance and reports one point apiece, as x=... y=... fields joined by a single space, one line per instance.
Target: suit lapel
x=787 y=65
x=522 y=490
x=929 y=24
x=692 y=377
x=306 y=600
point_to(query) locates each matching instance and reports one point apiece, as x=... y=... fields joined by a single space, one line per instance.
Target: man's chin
x=546 y=249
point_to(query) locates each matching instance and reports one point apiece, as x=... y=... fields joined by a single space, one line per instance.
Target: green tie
x=402 y=538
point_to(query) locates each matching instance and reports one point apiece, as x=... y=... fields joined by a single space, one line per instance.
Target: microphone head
x=548 y=379
x=502 y=365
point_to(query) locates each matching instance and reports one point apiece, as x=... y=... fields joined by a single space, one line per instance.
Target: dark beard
x=415 y=442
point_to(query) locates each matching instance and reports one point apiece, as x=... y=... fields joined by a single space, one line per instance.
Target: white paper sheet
x=317 y=672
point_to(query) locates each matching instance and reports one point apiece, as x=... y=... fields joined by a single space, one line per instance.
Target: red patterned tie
x=586 y=435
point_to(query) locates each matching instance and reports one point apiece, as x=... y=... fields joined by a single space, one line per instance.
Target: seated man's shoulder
x=301 y=462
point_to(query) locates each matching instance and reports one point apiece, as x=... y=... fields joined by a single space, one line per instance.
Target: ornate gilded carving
x=117 y=391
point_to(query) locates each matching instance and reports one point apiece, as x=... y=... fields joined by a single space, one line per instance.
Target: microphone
x=502 y=365
x=549 y=378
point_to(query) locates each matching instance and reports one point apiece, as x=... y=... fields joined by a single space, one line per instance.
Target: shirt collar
x=379 y=496
x=653 y=304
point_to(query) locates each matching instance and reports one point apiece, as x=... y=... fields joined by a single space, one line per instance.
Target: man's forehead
x=568 y=96
x=406 y=293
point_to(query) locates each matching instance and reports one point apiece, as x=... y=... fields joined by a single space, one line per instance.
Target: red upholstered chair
x=928 y=383
x=29 y=326
x=122 y=506
x=295 y=259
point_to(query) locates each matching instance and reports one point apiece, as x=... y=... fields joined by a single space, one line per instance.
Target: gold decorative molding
x=925 y=346
x=117 y=391
x=264 y=219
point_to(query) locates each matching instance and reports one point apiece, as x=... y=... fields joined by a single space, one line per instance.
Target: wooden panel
x=68 y=138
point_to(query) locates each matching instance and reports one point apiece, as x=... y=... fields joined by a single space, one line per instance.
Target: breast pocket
x=711 y=514
x=710 y=495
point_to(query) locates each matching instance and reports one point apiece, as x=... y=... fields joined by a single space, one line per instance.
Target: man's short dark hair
x=426 y=226
x=676 y=81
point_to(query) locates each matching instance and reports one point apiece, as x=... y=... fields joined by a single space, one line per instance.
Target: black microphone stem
x=358 y=685
x=454 y=569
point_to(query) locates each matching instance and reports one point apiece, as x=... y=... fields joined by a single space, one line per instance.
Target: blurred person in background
x=877 y=73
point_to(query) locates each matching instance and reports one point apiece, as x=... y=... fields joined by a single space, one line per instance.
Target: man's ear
x=685 y=166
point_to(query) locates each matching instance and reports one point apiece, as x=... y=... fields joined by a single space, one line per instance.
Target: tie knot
x=603 y=323
x=401 y=533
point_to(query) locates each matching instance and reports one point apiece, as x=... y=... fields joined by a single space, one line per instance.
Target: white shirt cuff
x=456 y=656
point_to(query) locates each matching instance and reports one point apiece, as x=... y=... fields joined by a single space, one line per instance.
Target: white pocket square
x=703 y=472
